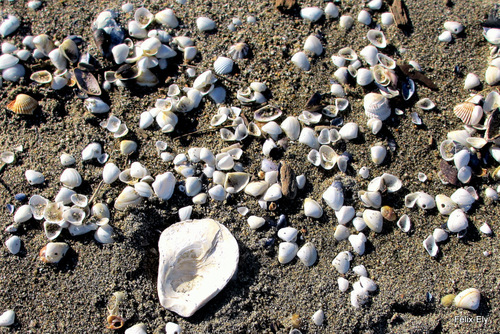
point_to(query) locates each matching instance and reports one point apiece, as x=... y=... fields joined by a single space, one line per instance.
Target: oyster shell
x=197 y=260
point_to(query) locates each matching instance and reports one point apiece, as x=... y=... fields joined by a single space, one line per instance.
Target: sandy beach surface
x=71 y=296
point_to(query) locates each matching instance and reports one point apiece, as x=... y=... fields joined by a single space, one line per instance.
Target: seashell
x=492 y=35
x=374 y=4
x=14 y=74
x=8 y=61
x=23 y=214
x=309 y=117
x=430 y=246
x=358 y=243
x=237 y=181
x=365 y=17
x=345 y=214
x=193 y=186
x=13 y=244
x=272 y=129
x=346 y=22
x=468 y=299
x=128 y=147
x=141 y=328
x=315 y=158
x=205 y=24
x=91 y=151
x=375 y=125
x=74 y=216
x=404 y=223
x=457 y=221
x=34 y=177
x=9 y=25
x=349 y=131
x=477 y=142
x=463 y=199
x=146 y=119
x=343 y=284
x=308 y=137
x=8 y=157
x=364 y=172
x=328 y=157
x=324 y=137
x=43 y=43
x=348 y=54
x=223 y=65
x=23 y=105
x=342 y=262
x=79 y=200
x=255 y=222
x=376 y=106
x=167 y=17
x=445 y=37
x=364 y=77
x=71 y=178
x=211 y=254
x=287 y=251
x=371 y=198
x=313 y=44
x=164 y=185
x=143 y=189
x=217 y=193
x=425 y=104
x=453 y=27
x=342 y=75
x=331 y=11
x=492 y=75
x=439 y=235
x=87 y=83
x=311 y=14
x=127 y=198
x=288 y=234
x=307 y=254
x=485 y=228
x=465 y=111
x=341 y=233
x=337 y=90
x=172 y=328
x=256 y=188
x=378 y=154
x=312 y=208
x=143 y=17
x=444 y=204
x=464 y=174
x=238 y=50
x=69 y=50
x=318 y=316
x=138 y=171
x=273 y=193
x=53 y=252
x=377 y=38
x=471 y=81
x=301 y=61
x=120 y=53
x=369 y=54
x=491 y=193
x=104 y=234
x=37 y=205
x=373 y=220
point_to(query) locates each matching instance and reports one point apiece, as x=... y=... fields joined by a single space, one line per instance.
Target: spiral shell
x=23 y=105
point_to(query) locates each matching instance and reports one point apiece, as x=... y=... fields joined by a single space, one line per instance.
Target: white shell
x=377 y=38
x=364 y=17
x=334 y=197
x=331 y=11
x=463 y=199
x=308 y=137
x=468 y=299
x=346 y=22
x=343 y=284
x=273 y=193
x=55 y=251
x=453 y=27
x=369 y=54
x=255 y=222
x=164 y=185
x=237 y=181
x=313 y=44
x=375 y=125
x=308 y=254
x=430 y=246
x=110 y=173
x=256 y=188
x=374 y=4
x=301 y=61
x=57 y=59
x=371 y=199
x=91 y=151
x=217 y=193
x=205 y=24
x=13 y=244
x=127 y=198
x=287 y=251
x=345 y=214
x=8 y=61
x=373 y=220
x=95 y=105
x=288 y=234
x=464 y=174
x=364 y=77
x=445 y=37
x=318 y=317
x=167 y=17
x=471 y=81
x=342 y=262
x=312 y=208
x=23 y=214
x=358 y=243
x=223 y=65
x=337 y=90
x=404 y=223
x=440 y=235
x=34 y=177
x=272 y=128
x=104 y=234
x=71 y=178
x=349 y=131
x=139 y=328
x=457 y=221
x=9 y=25
x=341 y=233
x=425 y=104
x=492 y=75
x=376 y=106
x=485 y=228
x=172 y=328
x=312 y=14
x=378 y=154
x=8 y=317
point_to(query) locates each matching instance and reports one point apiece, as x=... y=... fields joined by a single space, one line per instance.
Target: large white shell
x=9 y=25
x=312 y=208
x=287 y=251
x=164 y=185
x=197 y=260
x=71 y=178
x=376 y=106
x=457 y=221
x=468 y=299
x=291 y=127
x=334 y=197
x=373 y=220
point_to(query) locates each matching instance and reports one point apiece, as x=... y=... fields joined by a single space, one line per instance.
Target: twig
x=95 y=192
x=230 y=80
x=203 y=131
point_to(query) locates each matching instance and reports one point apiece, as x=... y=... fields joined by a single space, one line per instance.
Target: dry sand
x=71 y=297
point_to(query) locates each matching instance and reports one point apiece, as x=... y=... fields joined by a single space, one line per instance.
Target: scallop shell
x=197 y=259
x=223 y=65
x=23 y=105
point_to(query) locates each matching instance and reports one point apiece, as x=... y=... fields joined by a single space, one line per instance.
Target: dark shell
x=102 y=41
x=407 y=89
x=86 y=82
x=127 y=72
x=314 y=103
x=69 y=50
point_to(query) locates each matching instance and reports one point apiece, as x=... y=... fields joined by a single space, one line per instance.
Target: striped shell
x=377 y=106
x=223 y=65
x=464 y=111
x=23 y=105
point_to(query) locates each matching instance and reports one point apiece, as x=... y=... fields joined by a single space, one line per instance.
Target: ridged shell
x=238 y=50
x=468 y=112
x=376 y=106
x=223 y=65
x=23 y=105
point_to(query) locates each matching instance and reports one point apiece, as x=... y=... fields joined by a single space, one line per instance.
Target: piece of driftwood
x=400 y=13
x=284 y=4
x=410 y=72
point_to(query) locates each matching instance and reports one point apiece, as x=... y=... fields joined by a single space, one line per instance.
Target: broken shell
x=404 y=223
x=41 y=77
x=143 y=17
x=307 y=254
x=468 y=299
x=425 y=104
x=69 y=50
x=287 y=251
x=86 y=82
x=23 y=105
x=430 y=246
x=377 y=38
x=197 y=260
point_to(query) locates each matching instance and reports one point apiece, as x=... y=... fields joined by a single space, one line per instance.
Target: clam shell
x=377 y=38
x=365 y=17
x=373 y=220
x=128 y=197
x=9 y=25
x=291 y=127
x=167 y=17
x=23 y=105
x=430 y=246
x=312 y=208
x=468 y=299
x=376 y=106
x=358 y=243
x=342 y=262
x=425 y=104
x=471 y=81
x=287 y=251
x=453 y=27
x=23 y=214
x=369 y=54
x=464 y=111
x=143 y=17
x=223 y=65
x=313 y=44
x=312 y=14
x=69 y=50
x=86 y=82
x=348 y=54
x=334 y=197
x=34 y=177
x=238 y=50
x=205 y=24
x=267 y=114
x=346 y=22
x=307 y=254
x=457 y=221
x=197 y=260
x=8 y=61
x=71 y=178
x=13 y=244
x=331 y=11
x=301 y=61
x=404 y=223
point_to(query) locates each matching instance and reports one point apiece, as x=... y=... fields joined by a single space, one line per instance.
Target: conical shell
x=23 y=105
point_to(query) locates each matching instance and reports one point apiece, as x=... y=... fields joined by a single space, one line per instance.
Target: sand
x=71 y=297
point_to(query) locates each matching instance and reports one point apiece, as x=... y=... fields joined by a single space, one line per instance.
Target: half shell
x=197 y=260
x=23 y=105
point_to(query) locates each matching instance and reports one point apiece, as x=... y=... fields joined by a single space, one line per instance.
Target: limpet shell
x=23 y=105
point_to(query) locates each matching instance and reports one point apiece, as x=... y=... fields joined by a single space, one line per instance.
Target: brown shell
x=23 y=105
x=464 y=111
x=87 y=82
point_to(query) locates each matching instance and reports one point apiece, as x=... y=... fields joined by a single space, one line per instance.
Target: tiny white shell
x=345 y=214
x=343 y=284
x=430 y=246
x=104 y=234
x=485 y=228
x=318 y=317
x=378 y=154
x=387 y=19
x=364 y=17
x=217 y=193
x=457 y=221
x=9 y=25
x=445 y=37
x=471 y=81
x=453 y=27
x=346 y=22
x=313 y=44
x=172 y=328
x=308 y=137
x=358 y=243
